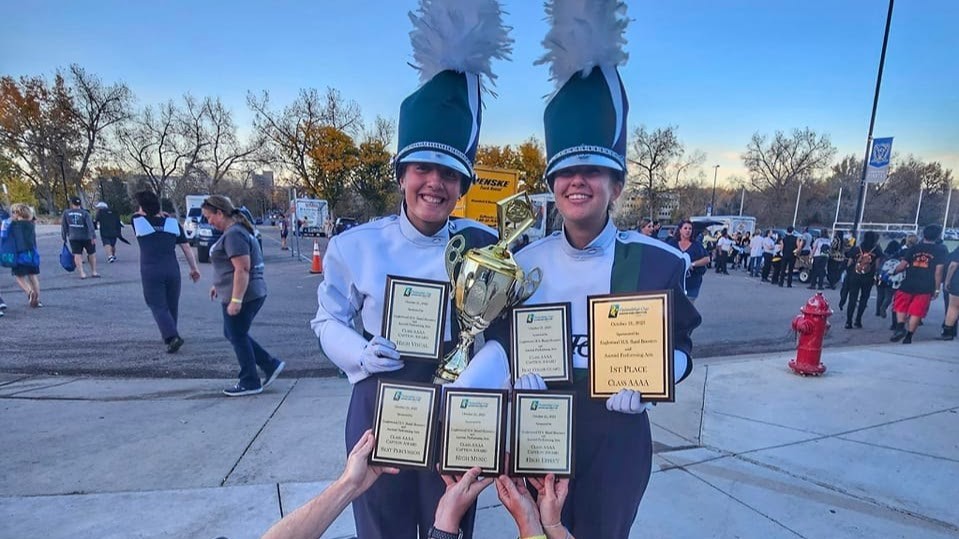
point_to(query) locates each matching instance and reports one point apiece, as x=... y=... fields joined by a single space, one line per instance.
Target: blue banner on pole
x=878 y=167
x=881 y=152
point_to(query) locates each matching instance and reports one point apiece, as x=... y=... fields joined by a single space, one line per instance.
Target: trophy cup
x=486 y=281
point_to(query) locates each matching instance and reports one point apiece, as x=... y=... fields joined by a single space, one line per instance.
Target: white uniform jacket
x=355 y=267
x=615 y=262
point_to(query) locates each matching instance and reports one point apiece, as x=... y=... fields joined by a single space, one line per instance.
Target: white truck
x=741 y=224
x=311 y=214
x=192 y=216
x=547 y=218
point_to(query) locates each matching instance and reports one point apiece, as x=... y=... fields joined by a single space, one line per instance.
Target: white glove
x=530 y=382
x=380 y=355
x=626 y=401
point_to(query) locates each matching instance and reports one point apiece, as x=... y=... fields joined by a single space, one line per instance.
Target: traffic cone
x=317 y=266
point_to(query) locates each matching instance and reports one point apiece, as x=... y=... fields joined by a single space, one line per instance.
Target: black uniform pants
x=834 y=272
x=818 y=271
x=614 y=455
x=788 y=265
x=858 y=286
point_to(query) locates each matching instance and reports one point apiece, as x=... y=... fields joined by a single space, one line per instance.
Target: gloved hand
x=627 y=401
x=380 y=355
x=530 y=382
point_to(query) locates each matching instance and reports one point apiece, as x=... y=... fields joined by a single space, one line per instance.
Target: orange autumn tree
x=333 y=157
x=529 y=158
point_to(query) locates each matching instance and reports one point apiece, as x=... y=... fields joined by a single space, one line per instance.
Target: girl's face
x=584 y=194
x=648 y=229
x=686 y=231
x=430 y=192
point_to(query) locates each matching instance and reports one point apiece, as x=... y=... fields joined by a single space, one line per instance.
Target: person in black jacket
x=860 y=275
x=790 y=244
x=109 y=224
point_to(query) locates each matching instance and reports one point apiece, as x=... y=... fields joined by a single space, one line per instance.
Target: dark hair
x=225 y=206
x=869 y=240
x=790 y=229
x=148 y=201
x=931 y=232
x=892 y=248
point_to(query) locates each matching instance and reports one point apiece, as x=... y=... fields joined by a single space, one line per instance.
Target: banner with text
x=878 y=167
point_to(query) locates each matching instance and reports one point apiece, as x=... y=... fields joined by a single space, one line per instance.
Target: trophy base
x=453 y=365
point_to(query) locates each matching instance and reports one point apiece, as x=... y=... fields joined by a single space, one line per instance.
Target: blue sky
x=719 y=70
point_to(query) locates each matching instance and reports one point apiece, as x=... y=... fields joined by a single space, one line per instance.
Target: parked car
x=343 y=224
x=206 y=236
x=190 y=224
x=666 y=231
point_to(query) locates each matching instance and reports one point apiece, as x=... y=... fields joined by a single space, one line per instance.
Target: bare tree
x=294 y=133
x=97 y=108
x=224 y=149
x=345 y=115
x=660 y=163
x=160 y=143
x=287 y=131
x=776 y=164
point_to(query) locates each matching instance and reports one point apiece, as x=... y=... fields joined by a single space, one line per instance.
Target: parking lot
x=103 y=327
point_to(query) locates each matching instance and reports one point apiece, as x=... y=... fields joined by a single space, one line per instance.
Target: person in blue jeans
x=238 y=283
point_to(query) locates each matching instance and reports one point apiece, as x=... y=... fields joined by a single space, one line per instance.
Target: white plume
x=584 y=34
x=463 y=35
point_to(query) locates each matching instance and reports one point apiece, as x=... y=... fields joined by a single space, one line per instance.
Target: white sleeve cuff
x=487 y=370
x=680 y=362
x=343 y=347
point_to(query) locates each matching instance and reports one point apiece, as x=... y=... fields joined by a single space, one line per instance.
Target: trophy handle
x=454 y=256
x=530 y=284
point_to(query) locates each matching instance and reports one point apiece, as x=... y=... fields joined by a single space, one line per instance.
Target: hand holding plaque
x=631 y=345
x=486 y=281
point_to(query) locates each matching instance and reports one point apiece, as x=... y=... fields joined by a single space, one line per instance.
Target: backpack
x=8 y=248
x=885 y=274
x=864 y=262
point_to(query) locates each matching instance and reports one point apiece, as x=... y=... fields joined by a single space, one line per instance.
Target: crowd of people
x=906 y=276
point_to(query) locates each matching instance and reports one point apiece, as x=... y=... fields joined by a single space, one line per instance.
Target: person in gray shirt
x=238 y=283
x=76 y=228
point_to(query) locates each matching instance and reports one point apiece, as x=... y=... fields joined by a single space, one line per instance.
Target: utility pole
x=861 y=201
x=742 y=201
x=918 y=207
x=945 y=218
x=712 y=205
x=796 y=211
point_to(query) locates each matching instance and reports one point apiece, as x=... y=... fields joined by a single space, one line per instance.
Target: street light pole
x=796 y=211
x=945 y=218
x=712 y=205
x=861 y=200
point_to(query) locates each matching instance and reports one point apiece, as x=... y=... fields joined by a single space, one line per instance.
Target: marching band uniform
x=613 y=450
x=439 y=124
x=585 y=125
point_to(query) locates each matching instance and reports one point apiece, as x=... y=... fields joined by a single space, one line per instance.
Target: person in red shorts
x=923 y=264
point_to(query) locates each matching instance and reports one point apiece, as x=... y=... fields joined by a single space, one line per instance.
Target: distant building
x=669 y=204
x=263 y=181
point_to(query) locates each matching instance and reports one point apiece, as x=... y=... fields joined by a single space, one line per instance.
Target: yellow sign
x=491 y=186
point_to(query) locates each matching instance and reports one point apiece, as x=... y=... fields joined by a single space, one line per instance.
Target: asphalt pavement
x=748 y=450
x=101 y=327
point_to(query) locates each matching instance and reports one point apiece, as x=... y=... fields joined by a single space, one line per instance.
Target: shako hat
x=454 y=43
x=585 y=119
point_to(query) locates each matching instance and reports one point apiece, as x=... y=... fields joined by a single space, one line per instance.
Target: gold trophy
x=486 y=281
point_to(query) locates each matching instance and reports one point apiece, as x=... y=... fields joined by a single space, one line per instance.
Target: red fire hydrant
x=811 y=326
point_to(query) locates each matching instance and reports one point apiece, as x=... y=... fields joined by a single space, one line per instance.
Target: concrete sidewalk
x=749 y=450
